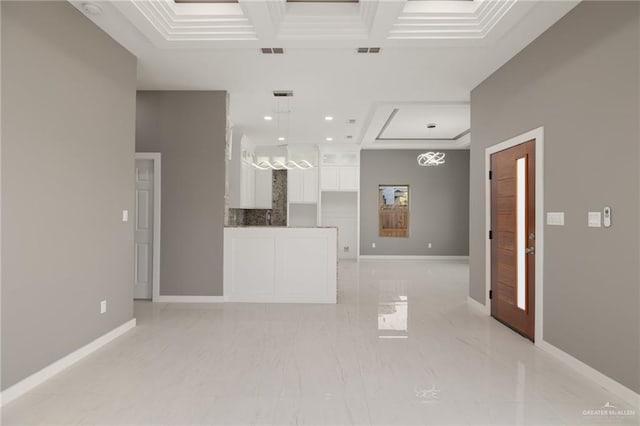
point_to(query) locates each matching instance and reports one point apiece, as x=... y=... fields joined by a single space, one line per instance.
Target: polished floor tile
x=402 y=347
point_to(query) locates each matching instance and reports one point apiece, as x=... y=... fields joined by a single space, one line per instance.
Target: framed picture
x=393 y=210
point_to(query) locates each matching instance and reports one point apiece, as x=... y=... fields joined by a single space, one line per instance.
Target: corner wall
x=189 y=129
x=580 y=81
x=438 y=203
x=68 y=117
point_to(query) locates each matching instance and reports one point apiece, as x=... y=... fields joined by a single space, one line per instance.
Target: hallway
x=402 y=346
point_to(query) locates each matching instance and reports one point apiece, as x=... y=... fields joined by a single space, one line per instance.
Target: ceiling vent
x=272 y=50
x=351 y=121
x=283 y=93
x=368 y=50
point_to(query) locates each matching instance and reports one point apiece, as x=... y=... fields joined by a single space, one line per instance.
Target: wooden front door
x=513 y=237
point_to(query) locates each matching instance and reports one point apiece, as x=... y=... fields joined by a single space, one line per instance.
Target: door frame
x=538 y=135
x=156 y=157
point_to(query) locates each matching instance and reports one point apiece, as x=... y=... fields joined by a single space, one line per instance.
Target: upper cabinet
x=310 y=185
x=249 y=187
x=345 y=178
x=263 y=189
x=340 y=171
x=302 y=185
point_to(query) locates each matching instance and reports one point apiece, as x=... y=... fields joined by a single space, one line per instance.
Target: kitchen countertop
x=279 y=226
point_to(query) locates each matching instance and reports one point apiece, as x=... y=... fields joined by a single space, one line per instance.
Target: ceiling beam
x=383 y=18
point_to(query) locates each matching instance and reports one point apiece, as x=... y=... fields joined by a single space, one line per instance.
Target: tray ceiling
x=422 y=59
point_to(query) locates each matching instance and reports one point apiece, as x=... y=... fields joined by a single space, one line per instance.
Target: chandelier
x=431 y=159
x=282 y=165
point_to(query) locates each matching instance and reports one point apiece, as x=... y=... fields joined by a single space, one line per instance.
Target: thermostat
x=606 y=217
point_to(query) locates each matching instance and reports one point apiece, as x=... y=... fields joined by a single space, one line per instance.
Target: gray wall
x=68 y=115
x=438 y=203
x=188 y=128
x=580 y=81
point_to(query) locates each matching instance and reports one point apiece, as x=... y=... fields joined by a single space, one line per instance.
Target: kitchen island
x=280 y=264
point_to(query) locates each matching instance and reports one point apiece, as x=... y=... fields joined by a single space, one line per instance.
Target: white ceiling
x=409 y=122
x=433 y=53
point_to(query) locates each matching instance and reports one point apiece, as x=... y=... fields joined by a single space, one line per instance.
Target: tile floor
x=402 y=347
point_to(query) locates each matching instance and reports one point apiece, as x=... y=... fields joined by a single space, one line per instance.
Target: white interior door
x=144 y=230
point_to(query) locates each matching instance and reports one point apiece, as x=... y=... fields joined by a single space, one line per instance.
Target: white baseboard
x=606 y=382
x=484 y=309
x=189 y=299
x=392 y=257
x=39 y=377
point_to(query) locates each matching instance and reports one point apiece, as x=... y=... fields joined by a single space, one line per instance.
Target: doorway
x=147 y=227
x=515 y=233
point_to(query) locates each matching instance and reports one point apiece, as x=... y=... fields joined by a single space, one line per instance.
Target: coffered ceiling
x=422 y=60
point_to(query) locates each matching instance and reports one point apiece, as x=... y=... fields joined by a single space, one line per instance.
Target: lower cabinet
x=280 y=265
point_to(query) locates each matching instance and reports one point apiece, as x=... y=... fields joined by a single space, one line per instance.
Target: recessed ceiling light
x=281 y=138
x=329 y=139
x=268 y=117
x=328 y=118
x=91 y=9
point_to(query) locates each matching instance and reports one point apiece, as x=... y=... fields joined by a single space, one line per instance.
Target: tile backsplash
x=259 y=217
x=279 y=198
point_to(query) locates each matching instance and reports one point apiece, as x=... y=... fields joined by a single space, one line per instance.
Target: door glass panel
x=521 y=238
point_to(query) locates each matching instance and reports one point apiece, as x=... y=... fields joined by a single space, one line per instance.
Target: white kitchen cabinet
x=349 y=178
x=329 y=179
x=302 y=186
x=280 y=265
x=247 y=185
x=263 y=189
x=295 y=186
x=342 y=178
x=310 y=186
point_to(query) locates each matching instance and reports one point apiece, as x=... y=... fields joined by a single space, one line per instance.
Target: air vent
x=368 y=50
x=272 y=50
x=351 y=121
x=349 y=136
x=283 y=93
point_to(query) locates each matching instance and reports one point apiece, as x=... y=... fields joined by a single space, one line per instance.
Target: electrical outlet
x=429 y=245
x=373 y=245
x=103 y=306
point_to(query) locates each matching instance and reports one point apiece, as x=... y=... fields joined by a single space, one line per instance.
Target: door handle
x=530 y=250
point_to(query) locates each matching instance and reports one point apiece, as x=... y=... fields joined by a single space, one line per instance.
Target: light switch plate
x=125 y=215
x=103 y=306
x=555 y=218
x=594 y=219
